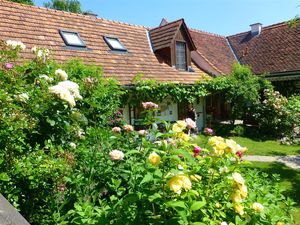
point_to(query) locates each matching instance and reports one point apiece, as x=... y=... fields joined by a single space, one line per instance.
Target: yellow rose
x=175 y=184
x=220 y=148
x=239 y=209
x=279 y=223
x=238 y=179
x=182 y=124
x=232 y=146
x=243 y=191
x=186 y=182
x=154 y=159
x=218 y=205
x=257 y=207
x=179 y=126
x=236 y=197
x=176 y=128
x=195 y=177
x=183 y=136
x=213 y=141
x=178 y=182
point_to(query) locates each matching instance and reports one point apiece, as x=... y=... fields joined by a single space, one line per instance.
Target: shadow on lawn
x=280 y=153
x=287 y=175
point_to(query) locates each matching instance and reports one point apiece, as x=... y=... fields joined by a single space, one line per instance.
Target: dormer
x=172 y=42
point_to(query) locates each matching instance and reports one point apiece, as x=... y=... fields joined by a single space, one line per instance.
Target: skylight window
x=72 y=38
x=115 y=44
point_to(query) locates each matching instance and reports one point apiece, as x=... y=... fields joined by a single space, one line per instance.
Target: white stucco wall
x=200 y=111
x=169 y=112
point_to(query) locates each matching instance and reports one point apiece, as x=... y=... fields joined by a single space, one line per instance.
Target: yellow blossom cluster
x=221 y=146
x=179 y=182
x=179 y=128
x=240 y=192
x=154 y=158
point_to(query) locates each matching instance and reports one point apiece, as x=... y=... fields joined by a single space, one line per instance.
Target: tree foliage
x=242 y=89
x=28 y=2
x=65 y=5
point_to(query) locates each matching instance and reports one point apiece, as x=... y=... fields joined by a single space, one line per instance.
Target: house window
x=180 y=55
x=72 y=38
x=114 y=44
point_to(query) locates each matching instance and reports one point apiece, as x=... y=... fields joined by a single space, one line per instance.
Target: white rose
x=61 y=74
x=22 y=97
x=257 y=207
x=72 y=145
x=116 y=155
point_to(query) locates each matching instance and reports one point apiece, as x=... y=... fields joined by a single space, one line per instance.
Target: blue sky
x=223 y=17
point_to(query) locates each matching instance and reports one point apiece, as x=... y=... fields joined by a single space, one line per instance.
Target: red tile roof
x=214 y=50
x=39 y=26
x=164 y=35
x=276 y=49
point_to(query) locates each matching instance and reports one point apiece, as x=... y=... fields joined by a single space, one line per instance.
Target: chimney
x=256 y=29
x=90 y=14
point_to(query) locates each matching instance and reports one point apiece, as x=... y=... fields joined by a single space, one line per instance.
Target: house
x=171 y=52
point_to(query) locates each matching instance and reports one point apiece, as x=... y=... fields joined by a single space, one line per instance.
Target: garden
x=62 y=161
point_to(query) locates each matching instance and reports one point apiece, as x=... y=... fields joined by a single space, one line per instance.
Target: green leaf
x=51 y=122
x=176 y=204
x=147 y=178
x=197 y=205
x=4 y=177
x=153 y=197
x=198 y=223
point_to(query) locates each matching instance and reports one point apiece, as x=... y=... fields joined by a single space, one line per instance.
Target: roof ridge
x=175 y=21
x=71 y=13
x=205 y=32
x=272 y=26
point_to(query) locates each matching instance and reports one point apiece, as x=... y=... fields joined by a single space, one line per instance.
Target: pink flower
x=190 y=123
x=9 y=66
x=239 y=154
x=197 y=149
x=62 y=188
x=149 y=105
x=208 y=131
x=116 y=129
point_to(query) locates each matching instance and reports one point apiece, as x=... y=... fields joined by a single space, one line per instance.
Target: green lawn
x=290 y=182
x=257 y=147
x=268 y=147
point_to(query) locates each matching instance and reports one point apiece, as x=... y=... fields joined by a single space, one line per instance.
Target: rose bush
x=60 y=162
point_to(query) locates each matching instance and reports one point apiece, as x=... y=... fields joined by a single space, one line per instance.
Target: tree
x=244 y=90
x=28 y=2
x=65 y=5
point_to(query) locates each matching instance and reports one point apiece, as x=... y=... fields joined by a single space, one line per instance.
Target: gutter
x=282 y=76
x=232 y=50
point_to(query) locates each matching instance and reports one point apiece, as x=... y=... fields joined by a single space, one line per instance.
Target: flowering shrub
x=275 y=115
x=61 y=164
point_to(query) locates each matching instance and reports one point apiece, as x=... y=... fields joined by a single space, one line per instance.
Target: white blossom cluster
x=66 y=90
x=42 y=53
x=15 y=44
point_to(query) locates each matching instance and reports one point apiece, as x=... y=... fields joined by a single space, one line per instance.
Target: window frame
x=62 y=34
x=122 y=49
x=185 y=55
